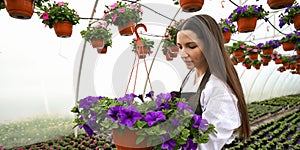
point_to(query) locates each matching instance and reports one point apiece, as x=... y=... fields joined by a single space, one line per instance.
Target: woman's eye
x=192 y=47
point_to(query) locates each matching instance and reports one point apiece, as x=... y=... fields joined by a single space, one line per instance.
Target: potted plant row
x=289 y=41
x=291 y=15
x=269 y=46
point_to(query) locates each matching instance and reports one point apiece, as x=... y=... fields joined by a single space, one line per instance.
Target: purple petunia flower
x=181 y=106
x=164 y=96
x=113 y=113
x=150 y=94
x=289 y=138
x=225 y=29
x=169 y=145
x=281 y=22
x=153 y=117
x=269 y=136
x=87 y=102
x=87 y=129
x=244 y=8
x=190 y=145
x=199 y=122
x=128 y=98
x=162 y=101
x=128 y=116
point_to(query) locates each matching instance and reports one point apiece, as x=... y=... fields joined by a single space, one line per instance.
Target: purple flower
x=183 y=106
x=162 y=101
x=150 y=94
x=87 y=129
x=298 y=142
x=269 y=136
x=190 y=145
x=199 y=122
x=266 y=19
x=289 y=138
x=153 y=117
x=128 y=98
x=225 y=29
x=281 y=22
x=88 y=101
x=244 y=8
x=113 y=113
x=128 y=116
x=255 y=9
x=169 y=145
x=260 y=45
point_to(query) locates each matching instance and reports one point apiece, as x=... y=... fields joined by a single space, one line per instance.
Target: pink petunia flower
x=272 y=57
x=45 y=16
x=121 y=10
x=104 y=16
x=242 y=46
x=255 y=50
x=113 y=6
x=248 y=49
x=114 y=18
x=60 y=3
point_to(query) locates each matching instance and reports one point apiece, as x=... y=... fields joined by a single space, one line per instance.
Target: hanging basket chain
x=130 y=75
x=148 y=77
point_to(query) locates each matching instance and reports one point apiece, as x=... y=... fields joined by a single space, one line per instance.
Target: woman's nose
x=183 y=53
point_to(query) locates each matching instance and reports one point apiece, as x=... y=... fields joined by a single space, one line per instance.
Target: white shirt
x=219 y=107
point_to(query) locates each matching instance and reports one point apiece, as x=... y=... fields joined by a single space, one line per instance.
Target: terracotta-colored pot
x=227 y=36
x=278 y=61
x=142 y=52
x=286 y=63
x=298 y=52
x=298 y=61
x=297 y=21
x=246 y=24
x=102 y=51
x=191 y=5
x=248 y=66
x=168 y=57
x=293 y=66
x=266 y=60
x=268 y=51
x=127 y=30
x=20 y=9
x=127 y=141
x=241 y=59
x=257 y=67
x=265 y=63
x=173 y=51
x=278 y=4
x=287 y=46
x=238 y=53
x=253 y=56
x=63 y=29
x=234 y=62
x=97 y=43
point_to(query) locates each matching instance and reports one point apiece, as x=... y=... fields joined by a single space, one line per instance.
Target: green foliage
x=285 y=59
x=98 y=32
x=256 y=62
x=239 y=45
x=248 y=11
x=57 y=12
x=175 y=2
x=120 y=13
x=291 y=37
x=2 y=5
x=148 y=43
x=288 y=16
x=247 y=61
x=227 y=25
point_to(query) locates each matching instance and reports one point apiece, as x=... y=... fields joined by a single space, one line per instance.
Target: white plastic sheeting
x=39 y=71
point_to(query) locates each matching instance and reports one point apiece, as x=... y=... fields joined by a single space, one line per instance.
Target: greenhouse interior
x=66 y=86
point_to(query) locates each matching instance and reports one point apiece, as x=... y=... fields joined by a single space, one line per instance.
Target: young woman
x=214 y=78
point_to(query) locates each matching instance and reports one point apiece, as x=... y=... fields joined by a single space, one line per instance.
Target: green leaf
x=140 y=139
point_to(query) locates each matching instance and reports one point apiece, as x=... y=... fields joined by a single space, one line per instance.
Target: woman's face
x=191 y=49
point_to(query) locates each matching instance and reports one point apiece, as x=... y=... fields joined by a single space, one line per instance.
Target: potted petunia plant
x=276 y=57
x=228 y=28
x=247 y=63
x=161 y=122
x=288 y=42
x=247 y=16
x=142 y=47
x=169 y=46
x=238 y=49
x=189 y=5
x=252 y=52
x=99 y=35
x=269 y=46
x=123 y=15
x=59 y=16
x=256 y=64
x=291 y=15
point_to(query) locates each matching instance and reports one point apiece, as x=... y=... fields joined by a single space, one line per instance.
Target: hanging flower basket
x=292 y=66
x=241 y=59
x=168 y=57
x=268 y=51
x=191 y=5
x=142 y=47
x=278 y=61
x=238 y=53
x=287 y=46
x=173 y=51
x=142 y=52
x=253 y=56
x=19 y=9
x=127 y=140
x=97 y=43
x=102 y=51
x=227 y=36
x=246 y=24
x=127 y=30
x=63 y=29
x=278 y=4
x=297 y=21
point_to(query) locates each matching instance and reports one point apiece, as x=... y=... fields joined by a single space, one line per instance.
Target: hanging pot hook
x=136 y=28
